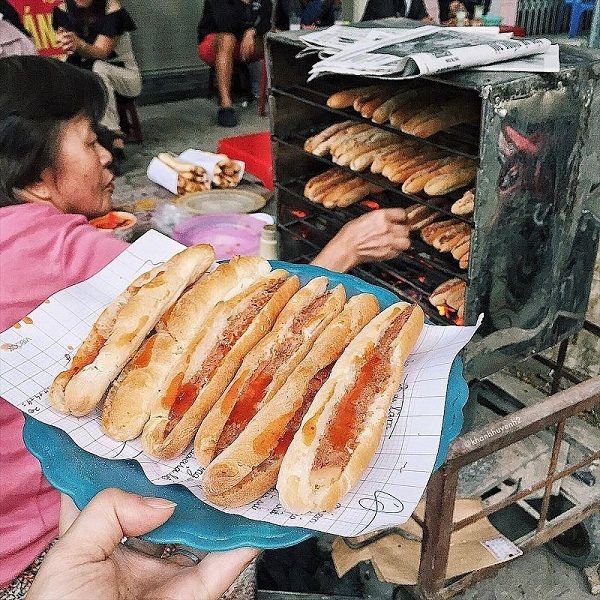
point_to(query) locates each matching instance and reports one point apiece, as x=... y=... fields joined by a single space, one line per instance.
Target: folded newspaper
x=390 y=53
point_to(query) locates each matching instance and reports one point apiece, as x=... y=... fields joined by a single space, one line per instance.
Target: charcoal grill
x=534 y=232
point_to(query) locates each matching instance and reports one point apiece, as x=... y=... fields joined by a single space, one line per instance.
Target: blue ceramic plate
x=82 y=475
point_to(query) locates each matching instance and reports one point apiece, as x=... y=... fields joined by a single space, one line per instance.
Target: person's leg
x=444 y=8
x=255 y=67
x=126 y=82
x=225 y=44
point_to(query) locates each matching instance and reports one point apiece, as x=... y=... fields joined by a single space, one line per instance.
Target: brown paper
x=395 y=558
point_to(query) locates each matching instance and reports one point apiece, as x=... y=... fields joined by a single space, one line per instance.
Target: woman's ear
x=40 y=191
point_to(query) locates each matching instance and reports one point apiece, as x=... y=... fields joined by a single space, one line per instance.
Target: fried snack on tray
x=190 y=177
x=227 y=174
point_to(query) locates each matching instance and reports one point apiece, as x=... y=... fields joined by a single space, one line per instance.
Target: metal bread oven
x=534 y=234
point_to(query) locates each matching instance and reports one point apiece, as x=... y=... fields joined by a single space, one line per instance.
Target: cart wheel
x=580 y=545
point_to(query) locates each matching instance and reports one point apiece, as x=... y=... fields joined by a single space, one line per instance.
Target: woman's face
x=83 y=3
x=81 y=181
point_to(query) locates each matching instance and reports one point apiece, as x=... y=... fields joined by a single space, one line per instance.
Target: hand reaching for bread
x=376 y=236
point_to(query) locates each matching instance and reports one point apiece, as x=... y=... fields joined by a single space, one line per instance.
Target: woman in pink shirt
x=54 y=174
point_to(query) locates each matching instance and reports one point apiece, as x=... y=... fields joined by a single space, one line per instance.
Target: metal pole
x=594 y=41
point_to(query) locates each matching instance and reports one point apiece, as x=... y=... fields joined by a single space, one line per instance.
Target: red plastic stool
x=514 y=29
x=255 y=151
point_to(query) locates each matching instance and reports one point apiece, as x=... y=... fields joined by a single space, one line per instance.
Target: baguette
x=368 y=108
x=346 y=142
x=454 y=113
x=444 y=234
x=417 y=181
x=463 y=263
x=121 y=329
x=456 y=296
x=419 y=215
x=383 y=157
x=344 y=424
x=127 y=406
x=266 y=368
x=376 y=142
x=346 y=98
x=464 y=205
x=248 y=468
x=312 y=142
x=460 y=249
x=318 y=185
x=383 y=113
x=329 y=197
x=374 y=93
x=202 y=373
x=407 y=169
x=356 y=194
x=429 y=233
x=365 y=160
x=439 y=295
x=443 y=184
x=457 y=238
x=325 y=147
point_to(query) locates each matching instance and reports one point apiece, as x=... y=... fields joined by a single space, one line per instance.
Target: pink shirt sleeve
x=86 y=250
x=41 y=252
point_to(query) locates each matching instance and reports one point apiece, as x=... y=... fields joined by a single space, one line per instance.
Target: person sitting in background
x=14 y=40
x=411 y=9
x=95 y=35
x=231 y=31
x=312 y=13
x=9 y=14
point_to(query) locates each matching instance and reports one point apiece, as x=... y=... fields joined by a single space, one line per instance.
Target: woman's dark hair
x=81 y=18
x=39 y=95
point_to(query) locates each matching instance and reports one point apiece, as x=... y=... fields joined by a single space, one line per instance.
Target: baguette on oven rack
x=268 y=365
x=454 y=286
x=344 y=424
x=346 y=98
x=331 y=143
x=465 y=204
x=462 y=248
x=201 y=374
x=417 y=181
x=443 y=184
x=420 y=215
x=127 y=406
x=248 y=468
x=312 y=142
x=121 y=329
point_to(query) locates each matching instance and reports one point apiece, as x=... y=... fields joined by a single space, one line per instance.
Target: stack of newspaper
x=391 y=53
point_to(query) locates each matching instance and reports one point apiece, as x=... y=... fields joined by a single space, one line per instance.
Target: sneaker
x=226 y=117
